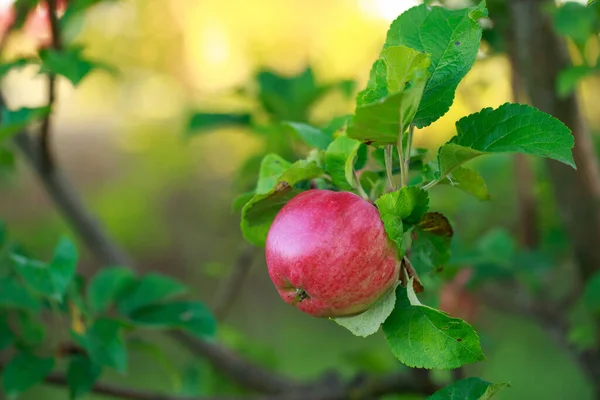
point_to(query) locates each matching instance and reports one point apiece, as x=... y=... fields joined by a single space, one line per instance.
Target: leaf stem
x=401 y=160
x=430 y=184
x=411 y=130
x=388 y=164
x=359 y=188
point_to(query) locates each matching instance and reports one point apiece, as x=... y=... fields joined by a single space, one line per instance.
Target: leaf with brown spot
x=432 y=237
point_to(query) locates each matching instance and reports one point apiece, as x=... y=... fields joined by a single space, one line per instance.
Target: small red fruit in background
x=37 y=24
x=456 y=300
x=328 y=254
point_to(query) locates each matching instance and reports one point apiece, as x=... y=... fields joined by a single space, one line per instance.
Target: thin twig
x=233 y=285
x=72 y=208
x=46 y=153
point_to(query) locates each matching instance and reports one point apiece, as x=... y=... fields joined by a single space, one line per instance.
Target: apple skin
x=328 y=254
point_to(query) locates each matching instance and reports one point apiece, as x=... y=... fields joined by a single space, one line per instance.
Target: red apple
x=328 y=254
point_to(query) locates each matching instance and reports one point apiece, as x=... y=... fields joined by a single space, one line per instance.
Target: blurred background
x=163 y=183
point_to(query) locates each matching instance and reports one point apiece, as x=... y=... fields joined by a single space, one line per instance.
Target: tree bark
x=538 y=55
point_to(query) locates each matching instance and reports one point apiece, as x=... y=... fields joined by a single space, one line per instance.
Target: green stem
x=430 y=184
x=359 y=188
x=388 y=164
x=406 y=169
x=401 y=161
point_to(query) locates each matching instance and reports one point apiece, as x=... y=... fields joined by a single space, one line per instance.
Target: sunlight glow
x=387 y=9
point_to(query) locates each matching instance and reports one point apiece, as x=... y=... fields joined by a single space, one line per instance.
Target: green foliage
x=451 y=39
x=591 y=295
x=6 y=67
x=469 y=181
x=512 y=128
x=290 y=98
x=431 y=242
x=201 y=122
x=368 y=322
x=400 y=210
x=387 y=106
x=32 y=331
x=7 y=337
x=68 y=62
x=191 y=316
x=469 y=389
x=422 y=337
x=15 y=295
x=339 y=162
x=107 y=286
x=271 y=167
x=23 y=8
x=258 y=214
x=13 y=122
x=82 y=373
x=104 y=343
x=568 y=78
x=314 y=137
x=23 y=371
x=148 y=290
x=577 y=22
x=51 y=279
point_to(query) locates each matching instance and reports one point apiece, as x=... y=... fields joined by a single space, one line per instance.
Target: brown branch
x=46 y=153
x=230 y=290
x=71 y=206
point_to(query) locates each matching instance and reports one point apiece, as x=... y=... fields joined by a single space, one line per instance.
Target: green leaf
x=569 y=78
x=32 y=331
x=13 y=122
x=591 y=295
x=51 y=279
x=75 y=8
x=23 y=9
x=576 y=21
x=469 y=389
x=310 y=135
x=511 y=128
x=258 y=214
x=107 y=286
x=22 y=62
x=240 y=201
x=204 y=122
x=288 y=98
x=271 y=168
x=368 y=322
x=15 y=295
x=69 y=62
x=160 y=357
x=150 y=289
x=104 y=344
x=194 y=317
x=469 y=181
x=400 y=210
x=422 y=337
x=7 y=337
x=24 y=371
x=387 y=106
x=451 y=38
x=431 y=242
x=82 y=373
x=339 y=161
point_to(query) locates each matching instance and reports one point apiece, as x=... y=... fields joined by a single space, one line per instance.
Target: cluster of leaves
x=428 y=50
x=581 y=25
x=51 y=318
